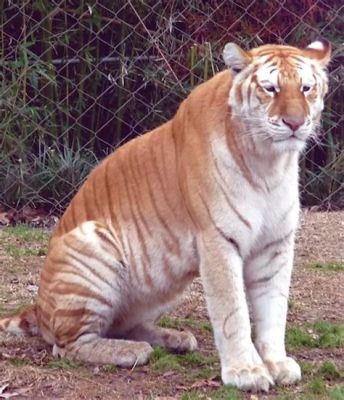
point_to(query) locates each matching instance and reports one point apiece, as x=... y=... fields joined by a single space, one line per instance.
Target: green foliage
x=27 y=233
x=329 y=370
x=226 y=393
x=5 y=310
x=14 y=250
x=29 y=241
x=317 y=386
x=321 y=334
x=109 y=369
x=180 y=323
x=307 y=368
x=330 y=266
x=162 y=360
x=197 y=359
x=50 y=177
x=194 y=395
x=297 y=337
x=337 y=393
x=19 y=361
x=71 y=92
x=63 y=363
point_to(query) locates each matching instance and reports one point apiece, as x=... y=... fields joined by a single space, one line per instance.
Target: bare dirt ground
x=28 y=370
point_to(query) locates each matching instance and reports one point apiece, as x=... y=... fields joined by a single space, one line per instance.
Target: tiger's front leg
x=267 y=278
x=221 y=269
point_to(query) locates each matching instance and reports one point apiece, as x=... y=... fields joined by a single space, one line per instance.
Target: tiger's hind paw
x=285 y=372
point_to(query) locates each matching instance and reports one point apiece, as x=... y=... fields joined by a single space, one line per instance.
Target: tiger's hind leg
x=170 y=338
x=81 y=293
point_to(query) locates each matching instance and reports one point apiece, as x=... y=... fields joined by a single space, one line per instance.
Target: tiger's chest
x=254 y=217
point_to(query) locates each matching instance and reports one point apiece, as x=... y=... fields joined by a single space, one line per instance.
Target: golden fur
x=205 y=192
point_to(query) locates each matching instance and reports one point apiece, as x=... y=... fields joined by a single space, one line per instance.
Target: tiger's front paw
x=254 y=379
x=285 y=372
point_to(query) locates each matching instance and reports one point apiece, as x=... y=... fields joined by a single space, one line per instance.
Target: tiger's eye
x=306 y=88
x=270 y=89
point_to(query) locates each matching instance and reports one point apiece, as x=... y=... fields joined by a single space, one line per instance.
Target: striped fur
x=213 y=192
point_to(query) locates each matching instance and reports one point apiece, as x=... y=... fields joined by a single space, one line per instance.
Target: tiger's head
x=278 y=93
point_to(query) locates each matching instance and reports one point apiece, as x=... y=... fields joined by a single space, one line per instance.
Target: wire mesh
x=80 y=78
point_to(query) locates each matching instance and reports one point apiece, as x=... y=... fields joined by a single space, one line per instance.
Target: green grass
x=18 y=362
x=5 y=310
x=307 y=368
x=63 y=363
x=329 y=370
x=223 y=393
x=27 y=233
x=32 y=241
x=226 y=393
x=109 y=369
x=180 y=323
x=337 y=393
x=16 y=251
x=162 y=360
x=197 y=359
x=317 y=386
x=194 y=395
x=321 y=334
x=206 y=372
x=328 y=266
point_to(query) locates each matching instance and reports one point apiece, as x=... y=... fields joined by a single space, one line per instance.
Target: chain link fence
x=79 y=78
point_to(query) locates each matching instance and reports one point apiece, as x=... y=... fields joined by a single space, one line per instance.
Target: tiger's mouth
x=289 y=138
x=293 y=137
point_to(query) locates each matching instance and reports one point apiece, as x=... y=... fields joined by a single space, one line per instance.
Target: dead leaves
x=210 y=383
x=27 y=215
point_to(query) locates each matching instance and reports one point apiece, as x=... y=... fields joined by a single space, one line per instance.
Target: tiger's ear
x=235 y=57
x=320 y=51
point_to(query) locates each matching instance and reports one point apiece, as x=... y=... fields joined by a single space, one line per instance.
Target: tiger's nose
x=294 y=123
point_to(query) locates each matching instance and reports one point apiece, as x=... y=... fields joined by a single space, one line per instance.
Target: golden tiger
x=214 y=191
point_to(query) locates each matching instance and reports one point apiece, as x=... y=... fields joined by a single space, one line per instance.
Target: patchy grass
x=15 y=251
x=328 y=266
x=6 y=310
x=224 y=393
x=193 y=395
x=206 y=372
x=329 y=370
x=180 y=323
x=337 y=393
x=63 y=363
x=307 y=368
x=163 y=360
x=19 y=361
x=197 y=359
x=27 y=233
x=109 y=369
x=28 y=241
x=317 y=386
x=27 y=362
x=321 y=334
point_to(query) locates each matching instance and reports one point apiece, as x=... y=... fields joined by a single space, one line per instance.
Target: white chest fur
x=254 y=215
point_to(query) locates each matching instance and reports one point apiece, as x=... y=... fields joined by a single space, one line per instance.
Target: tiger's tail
x=24 y=323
